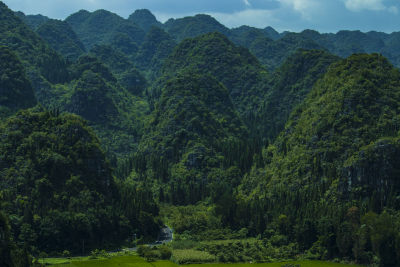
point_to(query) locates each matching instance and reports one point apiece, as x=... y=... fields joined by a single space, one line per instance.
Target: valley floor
x=136 y=261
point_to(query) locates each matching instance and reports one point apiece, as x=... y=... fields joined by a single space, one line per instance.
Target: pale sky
x=293 y=15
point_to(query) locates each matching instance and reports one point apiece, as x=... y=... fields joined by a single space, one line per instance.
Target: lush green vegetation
x=58 y=189
x=191 y=129
x=121 y=260
x=292 y=83
x=115 y=60
x=10 y=254
x=194 y=26
x=322 y=171
x=115 y=112
x=60 y=36
x=122 y=68
x=15 y=89
x=278 y=264
x=213 y=54
x=101 y=27
x=132 y=260
x=30 y=48
x=144 y=19
x=33 y=21
x=156 y=47
x=251 y=146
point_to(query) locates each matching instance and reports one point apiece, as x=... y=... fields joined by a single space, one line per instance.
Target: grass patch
x=187 y=256
x=136 y=261
x=58 y=261
x=120 y=261
x=276 y=264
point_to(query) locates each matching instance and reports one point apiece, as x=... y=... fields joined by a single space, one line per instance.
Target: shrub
x=165 y=252
x=66 y=254
x=94 y=254
x=148 y=253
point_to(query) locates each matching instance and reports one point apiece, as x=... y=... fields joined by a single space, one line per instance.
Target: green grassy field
x=276 y=264
x=136 y=261
x=119 y=261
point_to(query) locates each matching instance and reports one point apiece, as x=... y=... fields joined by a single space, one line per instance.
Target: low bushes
x=188 y=256
x=155 y=253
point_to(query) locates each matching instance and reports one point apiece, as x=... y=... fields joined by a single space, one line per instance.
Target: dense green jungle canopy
x=108 y=126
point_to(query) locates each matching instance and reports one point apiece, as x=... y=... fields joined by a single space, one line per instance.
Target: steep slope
x=122 y=42
x=235 y=67
x=30 y=48
x=189 y=27
x=339 y=147
x=156 y=47
x=291 y=84
x=345 y=43
x=245 y=35
x=54 y=166
x=33 y=21
x=122 y=68
x=15 y=89
x=270 y=48
x=273 y=53
x=91 y=98
x=60 y=36
x=272 y=33
x=95 y=94
x=331 y=168
x=101 y=27
x=390 y=50
x=115 y=60
x=144 y=19
x=185 y=144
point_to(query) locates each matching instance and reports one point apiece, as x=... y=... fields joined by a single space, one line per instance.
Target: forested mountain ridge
x=192 y=122
x=102 y=27
x=116 y=113
x=16 y=91
x=60 y=36
x=30 y=48
x=33 y=21
x=336 y=156
x=62 y=182
x=189 y=27
x=156 y=47
x=292 y=82
x=112 y=127
x=235 y=67
x=357 y=100
x=144 y=19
